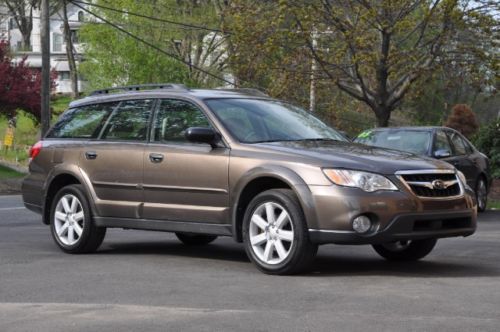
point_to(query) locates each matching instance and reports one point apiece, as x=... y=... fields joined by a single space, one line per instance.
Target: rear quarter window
x=82 y=122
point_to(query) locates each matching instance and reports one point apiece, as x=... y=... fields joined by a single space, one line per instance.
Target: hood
x=353 y=156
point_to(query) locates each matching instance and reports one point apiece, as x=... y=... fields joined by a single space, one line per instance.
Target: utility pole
x=45 y=44
x=312 y=88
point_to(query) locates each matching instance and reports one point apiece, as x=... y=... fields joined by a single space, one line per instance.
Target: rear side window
x=129 y=121
x=82 y=122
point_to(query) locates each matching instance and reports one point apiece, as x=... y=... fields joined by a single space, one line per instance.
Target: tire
x=281 y=243
x=405 y=250
x=191 y=239
x=481 y=194
x=71 y=223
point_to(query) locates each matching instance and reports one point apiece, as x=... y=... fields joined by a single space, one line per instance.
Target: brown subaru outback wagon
x=208 y=163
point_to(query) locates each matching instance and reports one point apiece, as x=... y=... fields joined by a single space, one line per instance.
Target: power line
x=192 y=26
x=152 y=45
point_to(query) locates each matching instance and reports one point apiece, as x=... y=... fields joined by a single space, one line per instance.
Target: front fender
x=286 y=175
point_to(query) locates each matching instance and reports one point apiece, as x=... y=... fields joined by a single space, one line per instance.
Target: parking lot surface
x=150 y=281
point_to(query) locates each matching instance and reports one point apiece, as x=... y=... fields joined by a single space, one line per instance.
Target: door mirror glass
x=201 y=135
x=442 y=153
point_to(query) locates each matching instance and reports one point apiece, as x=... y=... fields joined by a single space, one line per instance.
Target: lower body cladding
x=350 y=216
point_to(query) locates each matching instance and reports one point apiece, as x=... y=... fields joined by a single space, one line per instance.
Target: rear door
x=184 y=181
x=114 y=162
x=460 y=157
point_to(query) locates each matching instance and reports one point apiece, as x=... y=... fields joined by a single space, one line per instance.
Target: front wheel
x=71 y=222
x=275 y=233
x=481 y=195
x=407 y=250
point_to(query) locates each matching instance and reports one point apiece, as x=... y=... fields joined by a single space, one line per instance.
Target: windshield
x=257 y=121
x=413 y=141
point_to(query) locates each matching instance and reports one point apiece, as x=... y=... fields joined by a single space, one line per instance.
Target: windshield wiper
x=298 y=140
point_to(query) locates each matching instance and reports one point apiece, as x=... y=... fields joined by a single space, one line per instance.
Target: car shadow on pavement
x=327 y=265
x=213 y=251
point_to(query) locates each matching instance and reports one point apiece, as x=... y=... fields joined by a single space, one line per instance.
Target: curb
x=16 y=167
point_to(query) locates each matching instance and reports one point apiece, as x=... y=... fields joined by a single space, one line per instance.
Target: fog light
x=361 y=224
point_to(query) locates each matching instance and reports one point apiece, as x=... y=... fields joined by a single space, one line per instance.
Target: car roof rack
x=248 y=91
x=138 y=87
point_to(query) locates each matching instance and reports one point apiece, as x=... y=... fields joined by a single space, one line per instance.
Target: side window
x=82 y=122
x=129 y=121
x=458 y=144
x=174 y=117
x=441 y=142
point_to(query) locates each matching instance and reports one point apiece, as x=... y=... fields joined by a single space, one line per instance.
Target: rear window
x=412 y=141
x=82 y=122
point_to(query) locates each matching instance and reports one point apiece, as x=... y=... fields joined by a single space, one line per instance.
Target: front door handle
x=90 y=155
x=156 y=157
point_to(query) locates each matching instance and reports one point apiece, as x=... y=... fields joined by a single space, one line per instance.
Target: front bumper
x=413 y=226
x=396 y=215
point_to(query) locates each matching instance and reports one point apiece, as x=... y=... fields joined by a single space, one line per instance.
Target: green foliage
x=7 y=173
x=113 y=58
x=374 y=51
x=487 y=140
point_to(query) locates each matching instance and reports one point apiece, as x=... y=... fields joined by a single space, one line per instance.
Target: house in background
x=58 y=59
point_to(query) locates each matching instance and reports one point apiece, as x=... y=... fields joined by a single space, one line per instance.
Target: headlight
x=367 y=181
x=462 y=178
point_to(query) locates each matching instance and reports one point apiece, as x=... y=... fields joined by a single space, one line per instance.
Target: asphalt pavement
x=142 y=281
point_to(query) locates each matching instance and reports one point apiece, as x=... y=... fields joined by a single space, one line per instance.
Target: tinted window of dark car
x=82 y=122
x=441 y=142
x=458 y=144
x=129 y=121
x=174 y=117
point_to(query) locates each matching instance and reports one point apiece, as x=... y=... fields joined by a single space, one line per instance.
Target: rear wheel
x=275 y=233
x=71 y=222
x=407 y=250
x=195 y=239
x=481 y=194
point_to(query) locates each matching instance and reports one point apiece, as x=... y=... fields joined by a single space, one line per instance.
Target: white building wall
x=58 y=59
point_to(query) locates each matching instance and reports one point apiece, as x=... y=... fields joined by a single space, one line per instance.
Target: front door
x=184 y=181
x=114 y=162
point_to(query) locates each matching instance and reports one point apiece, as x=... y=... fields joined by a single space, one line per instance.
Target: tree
x=20 y=86
x=114 y=58
x=22 y=12
x=463 y=119
x=374 y=51
x=70 y=51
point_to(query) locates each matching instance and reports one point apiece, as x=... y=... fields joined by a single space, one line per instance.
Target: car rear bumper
x=411 y=226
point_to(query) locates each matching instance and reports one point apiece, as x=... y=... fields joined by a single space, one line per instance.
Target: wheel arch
x=58 y=180
x=260 y=180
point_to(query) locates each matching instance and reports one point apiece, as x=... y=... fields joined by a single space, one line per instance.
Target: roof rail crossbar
x=139 y=87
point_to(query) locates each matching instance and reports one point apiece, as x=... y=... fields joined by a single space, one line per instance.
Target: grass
x=7 y=173
x=27 y=131
x=493 y=204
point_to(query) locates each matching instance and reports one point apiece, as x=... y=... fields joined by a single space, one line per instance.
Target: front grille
x=432 y=225
x=433 y=185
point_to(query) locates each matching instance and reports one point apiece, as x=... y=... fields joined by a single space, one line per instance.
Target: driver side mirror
x=442 y=153
x=202 y=135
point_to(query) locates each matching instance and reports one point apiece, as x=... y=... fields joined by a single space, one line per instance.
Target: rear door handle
x=90 y=155
x=156 y=157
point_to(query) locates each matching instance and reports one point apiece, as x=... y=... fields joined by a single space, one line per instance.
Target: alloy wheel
x=68 y=219
x=271 y=233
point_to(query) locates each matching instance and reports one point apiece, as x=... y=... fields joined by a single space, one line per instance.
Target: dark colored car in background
x=441 y=143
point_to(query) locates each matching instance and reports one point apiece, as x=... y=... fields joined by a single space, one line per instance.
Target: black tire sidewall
x=416 y=250
x=77 y=191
